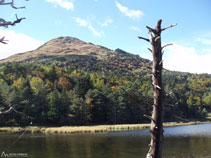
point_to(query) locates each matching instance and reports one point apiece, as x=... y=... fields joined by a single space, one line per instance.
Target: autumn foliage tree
x=63 y=82
x=44 y=96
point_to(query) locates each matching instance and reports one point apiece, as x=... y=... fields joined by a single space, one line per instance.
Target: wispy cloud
x=204 y=41
x=95 y=32
x=106 y=22
x=87 y=24
x=66 y=4
x=186 y=59
x=135 y=28
x=17 y=43
x=81 y=22
x=133 y=14
x=206 y=50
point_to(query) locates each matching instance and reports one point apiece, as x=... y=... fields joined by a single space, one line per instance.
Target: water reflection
x=180 y=142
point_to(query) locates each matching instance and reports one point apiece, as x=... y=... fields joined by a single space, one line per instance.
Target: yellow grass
x=87 y=129
x=209 y=116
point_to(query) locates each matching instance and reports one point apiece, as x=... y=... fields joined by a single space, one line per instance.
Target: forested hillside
x=67 y=95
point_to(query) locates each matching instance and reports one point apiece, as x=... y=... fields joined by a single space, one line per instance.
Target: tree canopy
x=51 y=95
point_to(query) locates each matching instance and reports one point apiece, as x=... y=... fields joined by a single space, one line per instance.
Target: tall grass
x=85 y=129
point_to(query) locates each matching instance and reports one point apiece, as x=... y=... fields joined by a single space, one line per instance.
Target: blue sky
x=116 y=24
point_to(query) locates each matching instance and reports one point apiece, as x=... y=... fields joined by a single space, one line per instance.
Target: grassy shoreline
x=89 y=129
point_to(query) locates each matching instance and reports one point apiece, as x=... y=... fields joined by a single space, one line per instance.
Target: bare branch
x=161 y=62
x=157 y=38
x=7 y=111
x=158 y=87
x=2 y=22
x=11 y=109
x=2 y=40
x=168 y=27
x=17 y=20
x=5 y=23
x=151 y=29
x=150 y=50
x=146 y=39
x=151 y=37
x=2 y=2
x=149 y=117
x=170 y=44
x=158 y=26
x=153 y=74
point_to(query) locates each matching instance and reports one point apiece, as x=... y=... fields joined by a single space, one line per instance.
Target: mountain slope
x=74 y=52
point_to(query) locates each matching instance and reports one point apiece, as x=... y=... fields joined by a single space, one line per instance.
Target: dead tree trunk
x=156 y=128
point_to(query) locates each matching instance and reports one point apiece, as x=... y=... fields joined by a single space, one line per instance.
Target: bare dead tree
x=4 y=23
x=156 y=128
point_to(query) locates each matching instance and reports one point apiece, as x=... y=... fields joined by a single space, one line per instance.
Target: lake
x=180 y=142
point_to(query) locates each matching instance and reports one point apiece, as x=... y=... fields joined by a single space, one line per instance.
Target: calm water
x=180 y=142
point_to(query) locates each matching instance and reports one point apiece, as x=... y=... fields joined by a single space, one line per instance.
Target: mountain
x=74 y=52
x=85 y=84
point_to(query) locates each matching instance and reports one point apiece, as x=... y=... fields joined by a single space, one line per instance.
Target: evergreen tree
x=79 y=110
x=98 y=104
x=53 y=107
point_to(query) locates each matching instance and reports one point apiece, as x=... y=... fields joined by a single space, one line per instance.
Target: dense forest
x=52 y=95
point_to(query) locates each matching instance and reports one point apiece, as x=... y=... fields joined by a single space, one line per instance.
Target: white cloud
x=133 y=14
x=185 y=59
x=66 y=4
x=106 y=22
x=135 y=28
x=206 y=50
x=95 y=32
x=17 y=43
x=81 y=22
x=204 y=41
x=87 y=24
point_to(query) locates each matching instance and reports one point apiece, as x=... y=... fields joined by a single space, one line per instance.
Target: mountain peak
x=75 y=52
x=68 y=39
x=118 y=50
x=61 y=42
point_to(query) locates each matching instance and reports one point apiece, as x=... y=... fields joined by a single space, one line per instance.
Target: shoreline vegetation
x=90 y=129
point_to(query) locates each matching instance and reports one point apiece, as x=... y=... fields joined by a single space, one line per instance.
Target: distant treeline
x=51 y=95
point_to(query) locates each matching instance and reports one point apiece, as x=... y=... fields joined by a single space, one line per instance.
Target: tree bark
x=156 y=128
